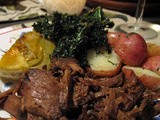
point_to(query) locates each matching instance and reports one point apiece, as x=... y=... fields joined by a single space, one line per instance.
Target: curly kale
x=74 y=35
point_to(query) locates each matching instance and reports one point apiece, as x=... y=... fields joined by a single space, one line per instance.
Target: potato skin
x=105 y=73
x=113 y=37
x=149 y=79
x=103 y=64
x=153 y=64
x=132 y=49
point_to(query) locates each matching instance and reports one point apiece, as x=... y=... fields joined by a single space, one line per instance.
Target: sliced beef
x=16 y=109
x=59 y=65
x=42 y=93
x=82 y=94
x=33 y=117
x=133 y=91
x=111 y=102
x=117 y=80
x=67 y=92
x=50 y=93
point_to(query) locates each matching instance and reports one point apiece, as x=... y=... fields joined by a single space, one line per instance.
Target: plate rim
x=17 y=29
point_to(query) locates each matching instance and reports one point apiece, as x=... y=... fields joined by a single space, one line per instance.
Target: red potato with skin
x=148 y=78
x=113 y=37
x=132 y=49
x=103 y=64
x=153 y=64
x=105 y=73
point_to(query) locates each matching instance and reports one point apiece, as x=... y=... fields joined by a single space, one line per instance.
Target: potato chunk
x=31 y=50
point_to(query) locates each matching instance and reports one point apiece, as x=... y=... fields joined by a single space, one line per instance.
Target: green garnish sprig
x=74 y=35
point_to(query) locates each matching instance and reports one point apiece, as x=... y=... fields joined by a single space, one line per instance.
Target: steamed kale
x=74 y=35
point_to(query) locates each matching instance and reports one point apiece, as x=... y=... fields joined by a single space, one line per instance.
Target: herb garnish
x=74 y=35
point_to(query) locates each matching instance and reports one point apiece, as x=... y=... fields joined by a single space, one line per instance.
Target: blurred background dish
x=7 y=2
x=64 y=6
x=129 y=7
x=18 y=10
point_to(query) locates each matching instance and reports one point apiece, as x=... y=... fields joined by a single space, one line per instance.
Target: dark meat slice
x=107 y=82
x=87 y=113
x=149 y=106
x=66 y=69
x=112 y=102
x=124 y=116
x=50 y=93
x=41 y=94
x=81 y=94
x=33 y=117
x=59 y=65
x=106 y=108
x=133 y=91
x=15 y=109
x=66 y=92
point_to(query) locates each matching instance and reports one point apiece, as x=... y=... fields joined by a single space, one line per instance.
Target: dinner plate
x=7 y=39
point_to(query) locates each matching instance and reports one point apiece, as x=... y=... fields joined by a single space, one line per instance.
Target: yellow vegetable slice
x=48 y=48
x=31 y=50
x=153 y=49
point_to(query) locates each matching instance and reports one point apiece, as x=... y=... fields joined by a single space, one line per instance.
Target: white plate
x=8 y=38
x=6 y=41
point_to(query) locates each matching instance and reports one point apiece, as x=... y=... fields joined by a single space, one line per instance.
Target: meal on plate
x=73 y=68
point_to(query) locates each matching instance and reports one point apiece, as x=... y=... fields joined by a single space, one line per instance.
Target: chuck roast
x=49 y=93
x=42 y=94
x=68 y=92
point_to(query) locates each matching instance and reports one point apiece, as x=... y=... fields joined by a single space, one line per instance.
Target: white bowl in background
x=64 y=6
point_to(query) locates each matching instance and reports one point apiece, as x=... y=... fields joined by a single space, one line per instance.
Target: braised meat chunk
x=68 y=92
x=40 y=93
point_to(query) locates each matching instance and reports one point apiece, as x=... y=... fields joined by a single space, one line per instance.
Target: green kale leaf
x=74 y=35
